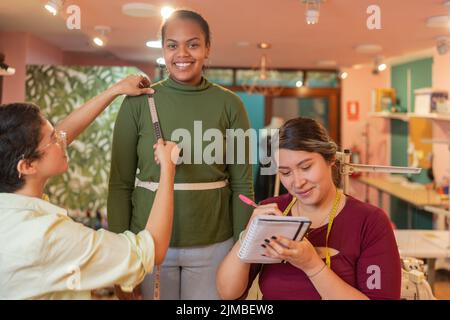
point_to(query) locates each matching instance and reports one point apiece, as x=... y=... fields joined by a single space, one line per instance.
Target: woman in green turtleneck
x=206 y=220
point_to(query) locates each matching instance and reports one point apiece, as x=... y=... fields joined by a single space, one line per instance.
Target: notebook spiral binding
x=247 y=240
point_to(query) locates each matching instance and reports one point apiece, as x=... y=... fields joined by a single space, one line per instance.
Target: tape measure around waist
x=153 y=186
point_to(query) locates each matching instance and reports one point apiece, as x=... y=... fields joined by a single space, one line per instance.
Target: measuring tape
x=154 y=116
x=331 y=215
x=158 y=135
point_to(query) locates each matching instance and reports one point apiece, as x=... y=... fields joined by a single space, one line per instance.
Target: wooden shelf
x=406 y=116
x=432 y=116
x=418 y=197
x=387 y=115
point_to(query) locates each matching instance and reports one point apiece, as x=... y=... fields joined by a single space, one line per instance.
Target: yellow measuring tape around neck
x=333 y=212
x=332 y=215
x=289 y=207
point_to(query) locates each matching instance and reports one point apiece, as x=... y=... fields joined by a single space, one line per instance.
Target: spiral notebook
x=266 y=226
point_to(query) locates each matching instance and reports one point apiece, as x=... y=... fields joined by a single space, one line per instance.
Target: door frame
x=333 y=96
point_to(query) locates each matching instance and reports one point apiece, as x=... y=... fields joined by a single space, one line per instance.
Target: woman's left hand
x=134 y=85
x=300 y=254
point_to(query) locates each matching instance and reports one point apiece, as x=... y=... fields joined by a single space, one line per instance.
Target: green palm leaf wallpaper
x=58 y=90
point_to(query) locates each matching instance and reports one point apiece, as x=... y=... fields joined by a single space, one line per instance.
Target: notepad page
x=251 y=249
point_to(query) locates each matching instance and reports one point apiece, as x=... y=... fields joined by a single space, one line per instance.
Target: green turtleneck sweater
x=201 y=217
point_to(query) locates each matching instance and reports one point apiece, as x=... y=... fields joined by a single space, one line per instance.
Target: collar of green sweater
x=172 y=84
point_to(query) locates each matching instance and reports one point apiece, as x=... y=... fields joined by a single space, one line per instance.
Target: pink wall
x=93 y=59
x=358 y=87
x=21 y=49
x=441 y=129
x=41 y=52
x=14 y=46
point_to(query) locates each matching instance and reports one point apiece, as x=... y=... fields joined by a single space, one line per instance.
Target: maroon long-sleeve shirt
x=368 y=257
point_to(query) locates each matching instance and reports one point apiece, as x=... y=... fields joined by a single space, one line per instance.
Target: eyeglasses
x=60 y=138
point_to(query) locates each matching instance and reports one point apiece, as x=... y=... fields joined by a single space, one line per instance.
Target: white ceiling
x=341 y=28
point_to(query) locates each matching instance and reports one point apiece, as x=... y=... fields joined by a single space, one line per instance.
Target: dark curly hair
x=20 y=134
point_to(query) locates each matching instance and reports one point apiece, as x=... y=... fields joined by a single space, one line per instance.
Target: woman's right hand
x=270 y=208
x=166 y=154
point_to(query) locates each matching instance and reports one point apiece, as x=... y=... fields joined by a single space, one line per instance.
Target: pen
x=248 y=201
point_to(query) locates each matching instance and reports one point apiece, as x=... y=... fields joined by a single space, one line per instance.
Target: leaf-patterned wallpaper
x=58 y=90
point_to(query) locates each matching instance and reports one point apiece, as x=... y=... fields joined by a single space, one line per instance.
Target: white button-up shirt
x=44 y=254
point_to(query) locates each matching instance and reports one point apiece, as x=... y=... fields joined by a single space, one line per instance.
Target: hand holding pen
x=266 y=209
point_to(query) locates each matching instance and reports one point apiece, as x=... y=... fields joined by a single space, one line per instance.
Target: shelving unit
x=387 y=115
x=406 y=116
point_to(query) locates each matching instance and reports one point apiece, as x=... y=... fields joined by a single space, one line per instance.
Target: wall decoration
x=58 y=90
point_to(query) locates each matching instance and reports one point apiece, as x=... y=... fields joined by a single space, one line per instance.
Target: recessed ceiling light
x=154 y=44
x=438 y=22
x=326 y=63
x=139 y=9
x=243 y=44
x=166 y=12
x=368 y=48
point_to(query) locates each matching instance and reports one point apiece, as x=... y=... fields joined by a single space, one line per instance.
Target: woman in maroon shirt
x=363 y=260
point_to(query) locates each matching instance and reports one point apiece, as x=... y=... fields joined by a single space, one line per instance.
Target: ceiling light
x=379 y=65
x=327 y=63
x=166 y=12
x=264 y=45
x=343 y=75
x=438 y=22
x=368 y=48
x=140 y=10
x=161 y=61
x=312 y=11
x=382 y=66
x=442 y=45
x=100 y=40
x=157 y=44
x=53 y=6
x=299 y=84
x=447 y=4
x=262 y=79
x=243 y=44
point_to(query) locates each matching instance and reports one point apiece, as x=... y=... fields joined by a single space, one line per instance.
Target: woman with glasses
x=43 y=253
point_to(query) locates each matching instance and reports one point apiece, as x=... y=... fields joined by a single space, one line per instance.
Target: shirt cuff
x=143 y=245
